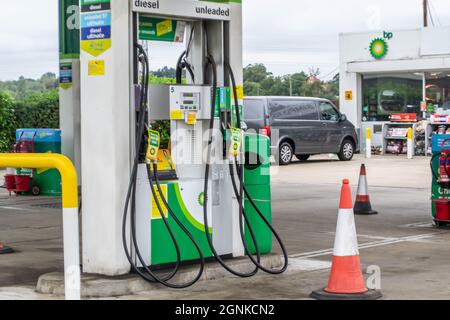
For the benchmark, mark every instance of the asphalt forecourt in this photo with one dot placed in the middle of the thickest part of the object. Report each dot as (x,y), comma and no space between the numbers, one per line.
(399,248)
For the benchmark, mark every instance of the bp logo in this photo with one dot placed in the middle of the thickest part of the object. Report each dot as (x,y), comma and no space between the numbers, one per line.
(379,46)
(201,199)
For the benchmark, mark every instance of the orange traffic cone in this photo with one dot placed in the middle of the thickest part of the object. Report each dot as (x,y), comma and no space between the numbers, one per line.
(346,280)
(4,249)
(362,204)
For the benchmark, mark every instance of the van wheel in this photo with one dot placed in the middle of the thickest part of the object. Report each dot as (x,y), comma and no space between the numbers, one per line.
(347,151)
(286,153)
(303,157)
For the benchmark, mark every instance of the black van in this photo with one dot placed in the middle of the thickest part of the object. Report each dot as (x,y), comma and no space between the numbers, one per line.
(301,127)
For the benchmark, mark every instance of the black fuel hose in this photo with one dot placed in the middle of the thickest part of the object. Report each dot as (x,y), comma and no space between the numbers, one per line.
(446,166)
(180,224)
(435,174)
(182,62)
(133,178)
(148,275)
(212,63)
(132,185)
(240,169)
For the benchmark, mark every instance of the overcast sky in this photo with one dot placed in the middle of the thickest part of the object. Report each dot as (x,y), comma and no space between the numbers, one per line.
(286,35)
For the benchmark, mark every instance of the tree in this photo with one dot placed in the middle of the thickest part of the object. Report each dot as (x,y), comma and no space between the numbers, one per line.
(258,81)
(29,103)
(165,72)
(22,87)
(256,73)
(7,122)
(49,81)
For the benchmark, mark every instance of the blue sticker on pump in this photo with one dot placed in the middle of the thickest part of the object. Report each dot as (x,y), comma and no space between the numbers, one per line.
(65,73)
(437,141)
(97,33)
(92,20)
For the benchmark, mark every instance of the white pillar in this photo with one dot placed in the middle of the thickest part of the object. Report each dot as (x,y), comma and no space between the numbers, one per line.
(70,114)
(106,141)
(69,89)
(72,281)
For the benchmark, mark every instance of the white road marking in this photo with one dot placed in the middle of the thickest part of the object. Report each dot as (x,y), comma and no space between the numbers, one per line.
(296,265)
(369,236)
(372,244)
(418,225)
(17,208)
(375,237)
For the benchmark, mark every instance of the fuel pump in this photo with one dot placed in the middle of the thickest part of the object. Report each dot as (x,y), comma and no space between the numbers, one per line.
(440,168)
(180,199)
(442,176)
(115,171)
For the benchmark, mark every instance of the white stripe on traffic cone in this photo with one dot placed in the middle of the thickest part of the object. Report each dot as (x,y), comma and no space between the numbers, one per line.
(362,204)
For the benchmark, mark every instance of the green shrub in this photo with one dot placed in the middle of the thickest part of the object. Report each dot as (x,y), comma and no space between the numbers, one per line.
(38,110)
(7,122)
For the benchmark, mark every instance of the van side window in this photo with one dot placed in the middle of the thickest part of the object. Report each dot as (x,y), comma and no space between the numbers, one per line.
(328,112)
(254,109)
(294,110)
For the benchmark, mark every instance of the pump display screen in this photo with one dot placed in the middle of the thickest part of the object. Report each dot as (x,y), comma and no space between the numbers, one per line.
(190,101)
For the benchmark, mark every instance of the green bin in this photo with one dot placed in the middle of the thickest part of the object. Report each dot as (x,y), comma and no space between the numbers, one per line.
(257,159)
(45,141)
(257,182)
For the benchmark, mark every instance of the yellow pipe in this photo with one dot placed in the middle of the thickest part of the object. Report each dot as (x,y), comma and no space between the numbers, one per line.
(48,161)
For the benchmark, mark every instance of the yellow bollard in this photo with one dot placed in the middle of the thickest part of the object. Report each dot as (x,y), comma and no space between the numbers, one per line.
(410,144)
(368,143)
(68,173)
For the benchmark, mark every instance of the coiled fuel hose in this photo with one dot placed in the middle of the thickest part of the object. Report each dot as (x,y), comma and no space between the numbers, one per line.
(211,62)
(182,63)
(148,274)
(240,170)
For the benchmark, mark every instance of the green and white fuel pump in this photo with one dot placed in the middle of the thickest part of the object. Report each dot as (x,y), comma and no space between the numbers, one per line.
(187,203)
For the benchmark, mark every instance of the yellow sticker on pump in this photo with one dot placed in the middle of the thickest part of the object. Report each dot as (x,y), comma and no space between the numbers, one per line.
(236,141)
(156,214)
(191,118)
(176,115)
(164,27)
(153,145)
(96,68)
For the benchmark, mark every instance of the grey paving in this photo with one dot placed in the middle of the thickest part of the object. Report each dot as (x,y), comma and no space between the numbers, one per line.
(411,253)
